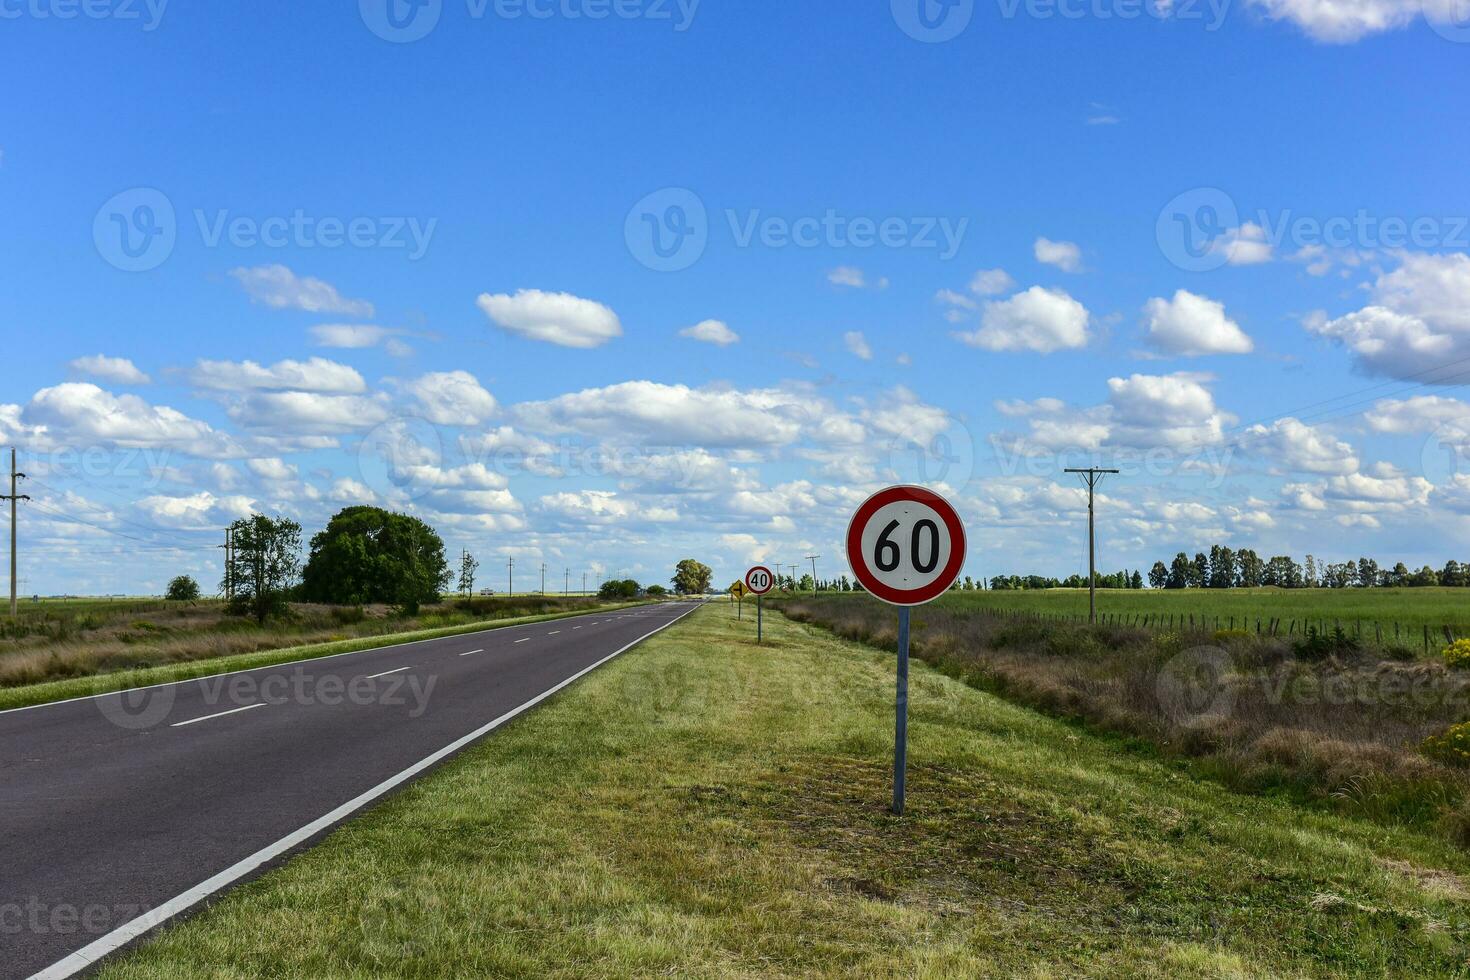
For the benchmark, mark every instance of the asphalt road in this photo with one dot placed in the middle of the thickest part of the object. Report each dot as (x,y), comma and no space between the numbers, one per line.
(120,811)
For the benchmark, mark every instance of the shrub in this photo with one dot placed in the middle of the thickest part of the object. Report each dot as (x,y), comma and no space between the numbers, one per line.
(1451,746)
(183,589)
(347,615)
(1225,636)
(1318,645)
(1457,655)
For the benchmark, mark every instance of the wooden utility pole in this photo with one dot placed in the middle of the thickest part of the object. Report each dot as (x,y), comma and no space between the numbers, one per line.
(543,578)
(510,576)
(1092,476)
(14,496)
(813,560)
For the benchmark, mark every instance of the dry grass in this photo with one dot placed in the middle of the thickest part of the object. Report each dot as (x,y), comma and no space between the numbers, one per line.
(1343,730)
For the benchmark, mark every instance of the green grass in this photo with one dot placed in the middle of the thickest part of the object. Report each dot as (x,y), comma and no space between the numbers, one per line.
(1412,608)
(28,695)
(706,807)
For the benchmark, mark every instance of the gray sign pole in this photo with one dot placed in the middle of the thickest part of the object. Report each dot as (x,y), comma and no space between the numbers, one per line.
(758,619)
(901,712)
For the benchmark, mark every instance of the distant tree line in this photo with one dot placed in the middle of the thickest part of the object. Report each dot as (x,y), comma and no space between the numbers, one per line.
(1117,580)
(1224,568)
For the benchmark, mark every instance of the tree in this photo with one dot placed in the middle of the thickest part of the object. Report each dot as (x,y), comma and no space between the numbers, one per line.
(616,589)
(1453,574)
(1199,571)
(182,588)
(806,584)
(691,577)
(657,591)
(1368,573)
(1179,572)
(266,558)
(1158,576)
(1136,580)
(366,554)
(467,566)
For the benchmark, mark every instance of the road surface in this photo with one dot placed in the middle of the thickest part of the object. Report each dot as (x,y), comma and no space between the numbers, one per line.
(120,811)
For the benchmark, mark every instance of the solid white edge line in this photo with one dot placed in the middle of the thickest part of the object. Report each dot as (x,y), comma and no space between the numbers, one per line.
(124,934)
(395,670)
(284,663)
(220,714)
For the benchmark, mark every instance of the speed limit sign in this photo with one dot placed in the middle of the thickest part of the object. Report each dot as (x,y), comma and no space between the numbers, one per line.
(906,545)
(759,580)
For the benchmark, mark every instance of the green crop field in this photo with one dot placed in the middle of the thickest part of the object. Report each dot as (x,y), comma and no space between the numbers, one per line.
(1411,609)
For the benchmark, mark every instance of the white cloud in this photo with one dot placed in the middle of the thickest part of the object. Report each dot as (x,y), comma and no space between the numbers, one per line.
(1064,255)
(1422,413)
(349,491)
(117,369)
(281,289)
(854,278)
(604,507)
(711,332)
(272,468)
(80,410)
(307,412)
(452,398)
(1190,325)
(556,318)
(663,414)
(316,374)
(1041,320)
(1174,410)
(1345,21)
(1246,245)
(359,336)
(992,282)
(196,511)
(857,345)
(1302,448)
(1419,319)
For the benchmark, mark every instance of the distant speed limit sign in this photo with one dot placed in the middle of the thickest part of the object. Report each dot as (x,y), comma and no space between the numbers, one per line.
(906,545)
(759,580)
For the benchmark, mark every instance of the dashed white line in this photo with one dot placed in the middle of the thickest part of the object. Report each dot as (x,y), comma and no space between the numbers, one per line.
(553,632)
(220,714)
(396,670)
(526,640)
(468,653)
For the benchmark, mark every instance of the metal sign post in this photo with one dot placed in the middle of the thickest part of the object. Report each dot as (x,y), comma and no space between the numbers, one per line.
(906,545)
(759,581)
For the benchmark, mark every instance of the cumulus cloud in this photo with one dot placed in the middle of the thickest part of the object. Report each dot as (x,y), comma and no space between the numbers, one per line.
(992,282)
(452,398)
(359,336)
(1040,320)
(1173,410)
(1064,255)
(80,411)
(271,468)
(197,511)
(1246,245)
(281,289)
(604,507)
(1345,21)
(1190,325)
(308,412)
(715,332)
(854,278)
(1418,320)
(1302,448)
(116,369)
(556,318)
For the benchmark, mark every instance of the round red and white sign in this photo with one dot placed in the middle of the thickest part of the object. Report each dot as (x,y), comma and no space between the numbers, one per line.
(906,545)
(759,580)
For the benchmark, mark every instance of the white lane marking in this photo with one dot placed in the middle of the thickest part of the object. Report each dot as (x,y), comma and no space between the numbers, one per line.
(396,670)
(526,640)
(160,914)
(576,627)
(469,653)
(221,714)
(553,632)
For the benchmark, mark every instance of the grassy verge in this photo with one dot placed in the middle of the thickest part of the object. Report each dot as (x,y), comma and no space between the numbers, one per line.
(705,807)
(28,695)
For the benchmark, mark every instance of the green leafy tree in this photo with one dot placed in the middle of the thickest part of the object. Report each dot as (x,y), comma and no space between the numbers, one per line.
(615,589)
(182,588)
(691,577)
(367,554)
(467,565)
(265,562)
(657,591)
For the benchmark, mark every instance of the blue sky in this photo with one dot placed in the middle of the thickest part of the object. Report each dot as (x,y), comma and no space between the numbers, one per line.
(1284,378)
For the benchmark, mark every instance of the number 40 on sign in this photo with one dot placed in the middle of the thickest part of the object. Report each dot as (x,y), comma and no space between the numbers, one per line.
(906,546)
